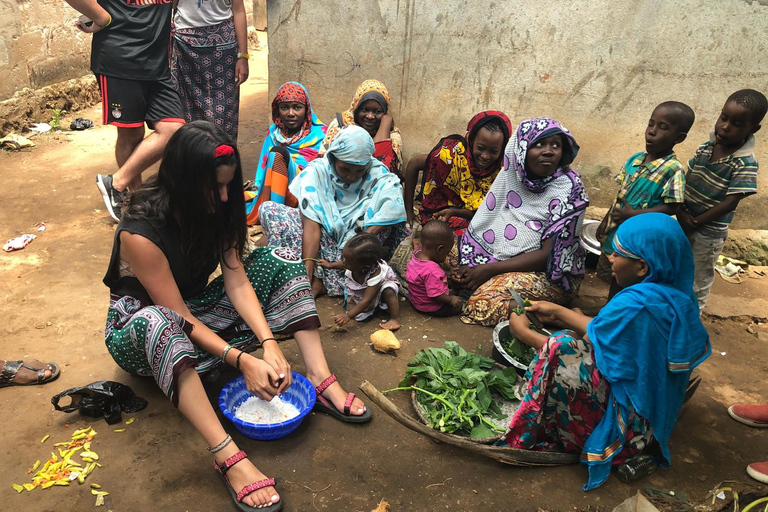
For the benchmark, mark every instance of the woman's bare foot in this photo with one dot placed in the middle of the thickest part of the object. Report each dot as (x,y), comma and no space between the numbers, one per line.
(244,473)
(318,288)
(392,324)
(337,396)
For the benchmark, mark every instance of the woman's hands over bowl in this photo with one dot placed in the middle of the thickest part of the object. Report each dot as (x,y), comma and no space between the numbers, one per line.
(259,377)
(274,357)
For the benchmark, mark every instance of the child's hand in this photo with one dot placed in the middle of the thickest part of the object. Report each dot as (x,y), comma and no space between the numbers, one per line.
(341,319)
(687,222)
(455,302)
(444,215)
(622,212)
(601,228)
(326,264)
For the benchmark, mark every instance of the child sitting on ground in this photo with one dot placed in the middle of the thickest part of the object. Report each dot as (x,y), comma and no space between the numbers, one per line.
(427,282)
(722,172)
(651,181)
(370,282)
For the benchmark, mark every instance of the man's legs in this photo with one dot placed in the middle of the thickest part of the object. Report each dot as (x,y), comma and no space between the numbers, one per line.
(144,153)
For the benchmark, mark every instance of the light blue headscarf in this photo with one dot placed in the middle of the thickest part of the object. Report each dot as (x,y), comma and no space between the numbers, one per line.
(342,208)
(647,339)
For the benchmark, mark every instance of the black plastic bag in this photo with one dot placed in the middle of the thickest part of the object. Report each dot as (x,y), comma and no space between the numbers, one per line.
(103,398)
(79,123)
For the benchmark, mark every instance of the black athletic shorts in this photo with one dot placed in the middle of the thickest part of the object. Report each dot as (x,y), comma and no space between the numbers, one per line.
(130,103)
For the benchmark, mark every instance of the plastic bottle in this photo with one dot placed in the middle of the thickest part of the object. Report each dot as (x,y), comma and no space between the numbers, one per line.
(636,468)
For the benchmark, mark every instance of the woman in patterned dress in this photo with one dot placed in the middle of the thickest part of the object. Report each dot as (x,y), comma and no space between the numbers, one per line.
(607,386)
(292,141)
(164,320)
(209,60)
(525,234)
(341,194)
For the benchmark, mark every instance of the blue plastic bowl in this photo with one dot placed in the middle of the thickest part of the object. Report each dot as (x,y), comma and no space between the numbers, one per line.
(301,394)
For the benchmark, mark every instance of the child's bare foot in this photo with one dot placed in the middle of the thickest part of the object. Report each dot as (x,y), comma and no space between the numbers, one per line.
(391,325)
(244,473)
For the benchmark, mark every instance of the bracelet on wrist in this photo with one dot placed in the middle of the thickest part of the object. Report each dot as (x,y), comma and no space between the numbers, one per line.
(225,352)
(237,361)
(268,339)
(241,55)
(104,26)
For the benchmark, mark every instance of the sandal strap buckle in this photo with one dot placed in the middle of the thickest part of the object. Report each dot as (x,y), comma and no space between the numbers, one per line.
(324,385)
(227,464)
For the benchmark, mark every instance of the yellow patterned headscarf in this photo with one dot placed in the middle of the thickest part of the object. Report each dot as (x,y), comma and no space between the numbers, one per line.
(348,117)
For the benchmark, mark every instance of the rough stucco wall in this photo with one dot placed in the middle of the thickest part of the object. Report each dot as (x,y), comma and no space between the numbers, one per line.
(598,66)
(39,45)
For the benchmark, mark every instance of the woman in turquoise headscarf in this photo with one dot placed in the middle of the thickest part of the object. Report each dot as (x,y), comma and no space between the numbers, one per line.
(612,384)
(293,140)
(339,195)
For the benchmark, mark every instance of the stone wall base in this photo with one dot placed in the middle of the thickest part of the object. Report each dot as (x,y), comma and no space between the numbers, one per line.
(30,106)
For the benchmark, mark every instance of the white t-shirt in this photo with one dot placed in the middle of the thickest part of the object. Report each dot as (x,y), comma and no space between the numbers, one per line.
(202,13)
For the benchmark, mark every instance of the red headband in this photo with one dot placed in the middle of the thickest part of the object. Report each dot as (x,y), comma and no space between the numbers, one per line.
(223,150)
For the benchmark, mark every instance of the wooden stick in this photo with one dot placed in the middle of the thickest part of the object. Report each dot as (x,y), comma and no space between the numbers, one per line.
(511,456)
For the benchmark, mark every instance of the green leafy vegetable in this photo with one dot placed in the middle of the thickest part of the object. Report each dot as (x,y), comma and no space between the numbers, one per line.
(455,389)
(514,347)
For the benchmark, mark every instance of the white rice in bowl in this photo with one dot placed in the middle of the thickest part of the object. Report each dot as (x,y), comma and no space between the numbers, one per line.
(256,410)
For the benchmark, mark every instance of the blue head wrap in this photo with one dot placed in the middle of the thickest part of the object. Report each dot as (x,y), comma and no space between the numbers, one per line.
(342,208)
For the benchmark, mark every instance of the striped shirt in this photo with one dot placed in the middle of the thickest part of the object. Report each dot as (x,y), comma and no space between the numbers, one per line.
(710,182)
(647,185)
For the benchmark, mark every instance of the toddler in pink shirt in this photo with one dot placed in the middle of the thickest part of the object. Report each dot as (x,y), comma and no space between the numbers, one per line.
(427,283)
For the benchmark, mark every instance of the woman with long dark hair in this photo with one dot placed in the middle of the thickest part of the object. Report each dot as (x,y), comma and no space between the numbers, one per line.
(164,319)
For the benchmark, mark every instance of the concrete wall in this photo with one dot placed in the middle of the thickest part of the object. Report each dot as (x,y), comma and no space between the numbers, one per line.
(39,45)
(598,66)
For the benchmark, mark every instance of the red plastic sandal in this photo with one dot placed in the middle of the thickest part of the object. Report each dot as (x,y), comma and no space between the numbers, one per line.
(248,489)
(323,405)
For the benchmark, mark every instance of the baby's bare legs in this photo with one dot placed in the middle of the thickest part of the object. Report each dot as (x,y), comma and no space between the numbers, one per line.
(389,297)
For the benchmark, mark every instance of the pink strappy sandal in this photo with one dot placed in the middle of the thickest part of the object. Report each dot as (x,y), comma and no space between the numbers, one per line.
(248,489)
(323,405)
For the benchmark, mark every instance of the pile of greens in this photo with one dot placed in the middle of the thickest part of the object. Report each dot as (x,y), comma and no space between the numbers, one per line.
(454,388)
(518,350)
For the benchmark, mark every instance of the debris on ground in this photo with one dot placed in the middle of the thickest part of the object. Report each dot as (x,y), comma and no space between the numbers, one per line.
(731,268)
(18,243)
(383,506)
(79,124)
(40,127)
(61,469)
(14,142)
(384,340)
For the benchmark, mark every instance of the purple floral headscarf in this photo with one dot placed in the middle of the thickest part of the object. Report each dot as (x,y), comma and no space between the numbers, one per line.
(521,211)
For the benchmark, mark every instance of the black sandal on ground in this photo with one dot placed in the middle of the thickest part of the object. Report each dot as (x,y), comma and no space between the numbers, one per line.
(11,368)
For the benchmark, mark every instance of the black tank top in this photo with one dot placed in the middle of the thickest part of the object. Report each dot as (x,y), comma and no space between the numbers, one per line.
(167,236)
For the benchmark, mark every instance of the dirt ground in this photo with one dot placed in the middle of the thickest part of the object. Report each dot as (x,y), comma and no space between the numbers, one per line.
(53,307)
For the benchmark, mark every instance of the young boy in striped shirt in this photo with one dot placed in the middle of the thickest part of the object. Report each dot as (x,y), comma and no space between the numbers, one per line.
(722,172)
